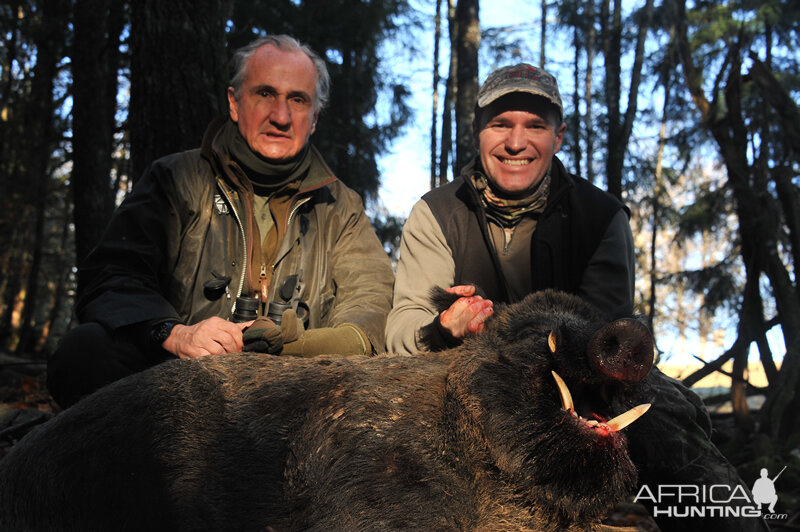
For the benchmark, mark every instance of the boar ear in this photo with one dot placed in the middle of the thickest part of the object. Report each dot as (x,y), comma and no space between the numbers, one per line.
(442,299)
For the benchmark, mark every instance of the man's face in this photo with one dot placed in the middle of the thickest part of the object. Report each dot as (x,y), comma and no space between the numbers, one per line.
(275,111)
(517,141)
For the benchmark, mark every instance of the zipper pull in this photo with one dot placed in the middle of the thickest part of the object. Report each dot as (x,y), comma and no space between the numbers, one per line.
(264,284)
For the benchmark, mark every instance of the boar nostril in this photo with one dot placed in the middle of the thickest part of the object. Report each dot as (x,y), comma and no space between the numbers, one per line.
(623,350)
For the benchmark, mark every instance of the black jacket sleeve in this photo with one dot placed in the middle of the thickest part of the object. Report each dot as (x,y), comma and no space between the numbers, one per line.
(121,278)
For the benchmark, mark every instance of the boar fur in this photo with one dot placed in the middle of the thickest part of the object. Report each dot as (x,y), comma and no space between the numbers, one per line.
(473,438)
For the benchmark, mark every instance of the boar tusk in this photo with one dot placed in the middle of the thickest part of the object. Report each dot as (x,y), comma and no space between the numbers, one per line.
(566,397)
(626,418)
(551,341)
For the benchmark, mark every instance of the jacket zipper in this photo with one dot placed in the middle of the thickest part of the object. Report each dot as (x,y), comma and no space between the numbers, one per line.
(244,242)
(264,266)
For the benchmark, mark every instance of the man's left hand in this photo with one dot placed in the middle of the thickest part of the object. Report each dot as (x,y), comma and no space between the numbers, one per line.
(468,314)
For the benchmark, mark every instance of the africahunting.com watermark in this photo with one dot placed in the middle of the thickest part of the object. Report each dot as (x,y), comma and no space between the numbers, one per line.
(716,500)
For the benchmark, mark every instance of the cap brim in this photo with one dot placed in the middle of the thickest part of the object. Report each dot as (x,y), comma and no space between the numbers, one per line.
(486,99)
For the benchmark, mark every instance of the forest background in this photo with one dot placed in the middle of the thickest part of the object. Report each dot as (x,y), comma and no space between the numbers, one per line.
(685,110)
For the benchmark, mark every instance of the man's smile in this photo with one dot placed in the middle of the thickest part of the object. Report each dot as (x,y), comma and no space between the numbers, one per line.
(515,162)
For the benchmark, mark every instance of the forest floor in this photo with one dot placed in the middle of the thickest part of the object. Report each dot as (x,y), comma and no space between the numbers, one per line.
(24,399)
(25,403)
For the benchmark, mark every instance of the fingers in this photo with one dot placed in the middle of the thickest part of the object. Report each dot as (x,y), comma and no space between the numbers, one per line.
(467,315)
(212,336)
(478,323)
(461,290)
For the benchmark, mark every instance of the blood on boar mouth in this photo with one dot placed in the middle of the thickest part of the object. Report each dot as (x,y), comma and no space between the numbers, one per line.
(640,356)
(614,425)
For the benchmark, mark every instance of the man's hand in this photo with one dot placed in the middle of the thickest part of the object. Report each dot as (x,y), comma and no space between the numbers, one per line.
(468,314)
(212,336)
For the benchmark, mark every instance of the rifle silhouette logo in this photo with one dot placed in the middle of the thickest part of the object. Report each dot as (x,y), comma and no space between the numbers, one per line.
(764,489)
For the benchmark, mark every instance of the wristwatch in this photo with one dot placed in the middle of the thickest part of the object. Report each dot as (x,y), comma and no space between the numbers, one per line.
(160,331)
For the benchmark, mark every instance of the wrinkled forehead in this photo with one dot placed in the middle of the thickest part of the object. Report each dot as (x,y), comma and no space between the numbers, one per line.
(291,70)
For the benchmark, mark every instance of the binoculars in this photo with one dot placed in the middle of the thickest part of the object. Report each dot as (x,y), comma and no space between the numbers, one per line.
(246,309)
(289,293)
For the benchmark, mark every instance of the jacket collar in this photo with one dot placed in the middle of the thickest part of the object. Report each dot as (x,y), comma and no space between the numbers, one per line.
(319,174)
(561,182)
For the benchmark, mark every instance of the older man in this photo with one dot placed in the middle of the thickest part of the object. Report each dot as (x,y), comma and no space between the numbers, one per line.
(254,212)
(513,222)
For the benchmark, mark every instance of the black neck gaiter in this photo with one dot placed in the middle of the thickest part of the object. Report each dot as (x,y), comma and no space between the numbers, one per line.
(266,176)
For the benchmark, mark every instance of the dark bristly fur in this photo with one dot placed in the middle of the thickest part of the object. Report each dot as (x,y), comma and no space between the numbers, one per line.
(469,439)
(442,299)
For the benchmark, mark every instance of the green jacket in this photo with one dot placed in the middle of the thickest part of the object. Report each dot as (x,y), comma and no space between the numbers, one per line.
(188,226)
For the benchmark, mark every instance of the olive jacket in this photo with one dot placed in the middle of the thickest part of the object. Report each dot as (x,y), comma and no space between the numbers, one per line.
(184,244)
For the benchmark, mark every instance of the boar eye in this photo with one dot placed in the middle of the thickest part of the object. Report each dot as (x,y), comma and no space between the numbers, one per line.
(551,342)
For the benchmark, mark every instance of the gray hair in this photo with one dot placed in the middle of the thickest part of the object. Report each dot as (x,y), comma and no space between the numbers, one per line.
(287,43)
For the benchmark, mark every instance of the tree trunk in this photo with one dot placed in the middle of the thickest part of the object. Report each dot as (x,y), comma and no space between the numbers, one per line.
(543,42)
(749,322)
(610,45)
(774,93)
(11,40)
(449,98)
(178,75)
(63,271)
(620,126)
(95,66)
(437,33)
(789,113)
(50,42)
(31,299)
(469,37)
(758,220)
(12,126)
(575,123)
(591,37)
(759,223)
(659,192)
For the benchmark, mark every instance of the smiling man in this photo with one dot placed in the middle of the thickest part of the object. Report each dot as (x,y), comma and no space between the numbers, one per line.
(515,221)
(254,212)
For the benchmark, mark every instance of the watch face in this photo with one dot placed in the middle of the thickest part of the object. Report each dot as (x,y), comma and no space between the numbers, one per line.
(161,332)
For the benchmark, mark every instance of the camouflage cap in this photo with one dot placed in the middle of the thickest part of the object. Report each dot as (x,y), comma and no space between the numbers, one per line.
(519,78)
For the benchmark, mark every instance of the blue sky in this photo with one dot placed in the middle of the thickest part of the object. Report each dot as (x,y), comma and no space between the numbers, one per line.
(406,168)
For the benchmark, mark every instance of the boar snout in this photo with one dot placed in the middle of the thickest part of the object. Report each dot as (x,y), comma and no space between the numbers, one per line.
(622,350)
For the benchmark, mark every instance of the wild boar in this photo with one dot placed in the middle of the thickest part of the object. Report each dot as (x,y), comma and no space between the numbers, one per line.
(485,436)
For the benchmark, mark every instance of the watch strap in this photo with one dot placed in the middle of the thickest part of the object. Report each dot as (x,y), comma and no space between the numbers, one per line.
(161,331)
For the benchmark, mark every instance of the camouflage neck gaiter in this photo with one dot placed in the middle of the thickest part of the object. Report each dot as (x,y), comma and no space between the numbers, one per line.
(507,212)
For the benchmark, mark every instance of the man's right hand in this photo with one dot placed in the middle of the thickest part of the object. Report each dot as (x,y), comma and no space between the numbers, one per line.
(212,336)
(468,314)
